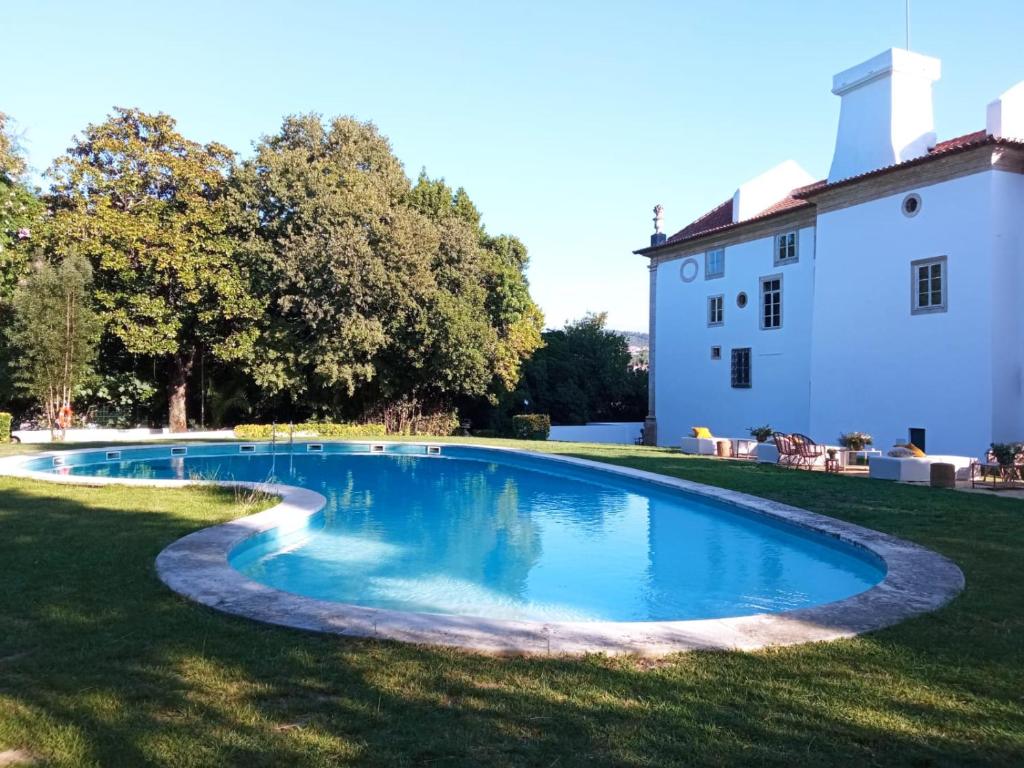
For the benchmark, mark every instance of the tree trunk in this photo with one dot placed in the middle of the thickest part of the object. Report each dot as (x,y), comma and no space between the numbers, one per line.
(178,390)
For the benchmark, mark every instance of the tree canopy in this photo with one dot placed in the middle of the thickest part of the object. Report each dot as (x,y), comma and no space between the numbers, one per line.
(54,333)
(314,279)
(149,208)
(583,374)
(20,216)
(378,291)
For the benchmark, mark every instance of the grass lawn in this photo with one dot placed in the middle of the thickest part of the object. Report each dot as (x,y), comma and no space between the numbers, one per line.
(101,665)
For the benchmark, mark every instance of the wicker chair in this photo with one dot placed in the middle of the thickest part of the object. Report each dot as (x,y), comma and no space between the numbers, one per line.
(810,452)
(789,453)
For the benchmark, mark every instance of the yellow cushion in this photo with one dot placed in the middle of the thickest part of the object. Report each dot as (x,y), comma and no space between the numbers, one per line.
(702,432)
(918,453)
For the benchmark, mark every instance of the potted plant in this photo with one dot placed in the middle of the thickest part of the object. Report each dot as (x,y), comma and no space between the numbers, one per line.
(761,434)
(855,441)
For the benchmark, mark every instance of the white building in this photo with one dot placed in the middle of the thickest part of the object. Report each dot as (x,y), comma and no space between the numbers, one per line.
(885,298)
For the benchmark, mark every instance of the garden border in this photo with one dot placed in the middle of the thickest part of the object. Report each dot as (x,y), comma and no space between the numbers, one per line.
(917,580)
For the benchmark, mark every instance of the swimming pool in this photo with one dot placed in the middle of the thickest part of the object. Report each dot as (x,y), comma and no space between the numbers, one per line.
(499,539)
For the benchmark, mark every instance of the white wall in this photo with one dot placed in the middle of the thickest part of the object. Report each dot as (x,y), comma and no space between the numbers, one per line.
(625,432)
(877,367)
(693,389)
(1007,329)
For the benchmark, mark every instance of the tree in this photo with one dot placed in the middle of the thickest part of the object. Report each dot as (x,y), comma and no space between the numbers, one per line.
(149,208)
(20,214)
(380,294)
(583,374)
(54,332)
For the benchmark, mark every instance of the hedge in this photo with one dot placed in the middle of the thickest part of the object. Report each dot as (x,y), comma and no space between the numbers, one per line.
(531,426)
(5,427)
(309,429)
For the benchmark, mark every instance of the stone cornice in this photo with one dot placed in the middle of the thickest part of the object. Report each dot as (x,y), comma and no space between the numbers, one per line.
(953,166)
(755,229)
(993,155)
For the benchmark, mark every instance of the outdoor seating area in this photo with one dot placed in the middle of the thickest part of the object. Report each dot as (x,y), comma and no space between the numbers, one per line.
(903,463)
(786,449)
(996,475)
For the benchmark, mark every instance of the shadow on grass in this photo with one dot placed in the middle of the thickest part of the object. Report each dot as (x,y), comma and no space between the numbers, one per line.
(100,664)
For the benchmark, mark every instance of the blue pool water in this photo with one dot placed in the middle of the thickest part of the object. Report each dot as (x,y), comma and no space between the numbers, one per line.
(480,533)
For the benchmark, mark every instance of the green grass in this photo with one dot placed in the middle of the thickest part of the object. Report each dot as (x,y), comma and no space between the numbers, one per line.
(101,665)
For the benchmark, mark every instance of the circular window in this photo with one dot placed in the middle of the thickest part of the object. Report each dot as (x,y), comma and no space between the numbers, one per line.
(911,204)
(688,270)
(741,299)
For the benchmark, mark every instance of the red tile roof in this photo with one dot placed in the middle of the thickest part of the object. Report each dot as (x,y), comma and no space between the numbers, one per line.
(959,144)
(719,218)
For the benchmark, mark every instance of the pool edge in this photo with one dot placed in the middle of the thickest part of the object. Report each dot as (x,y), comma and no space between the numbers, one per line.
(918,580)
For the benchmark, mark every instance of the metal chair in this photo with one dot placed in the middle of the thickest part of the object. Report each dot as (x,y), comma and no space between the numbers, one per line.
(810,452)
(789,454)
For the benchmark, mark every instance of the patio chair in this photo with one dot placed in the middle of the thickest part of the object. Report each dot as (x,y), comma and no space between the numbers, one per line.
(789,453)
(810,452)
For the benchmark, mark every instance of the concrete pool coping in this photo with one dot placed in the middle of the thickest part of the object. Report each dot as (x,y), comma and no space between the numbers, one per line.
(196,566)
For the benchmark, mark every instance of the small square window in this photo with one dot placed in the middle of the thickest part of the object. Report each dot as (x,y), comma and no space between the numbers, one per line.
(714,263)
(786,248)
(741,368)
(716,353)
(716,310)
(928,286)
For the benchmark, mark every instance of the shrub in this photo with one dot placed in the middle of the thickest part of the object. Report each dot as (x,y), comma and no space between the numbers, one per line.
(531,426)
(442,424)
(309,429)
(5,427)
(328,429)
(1006,453)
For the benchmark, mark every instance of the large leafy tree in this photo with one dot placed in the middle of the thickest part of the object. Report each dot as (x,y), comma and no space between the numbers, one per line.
(583,374)
(54,332)
(379,292)
(20,216)
(149,208)
(488,276)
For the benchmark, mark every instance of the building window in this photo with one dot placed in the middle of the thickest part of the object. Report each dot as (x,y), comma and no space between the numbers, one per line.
(716,353)
(741,299)
(714,264)
(741,368)
(786,248)
(911,204)
(716,310)
(771,302)
(688,270)
(928,286)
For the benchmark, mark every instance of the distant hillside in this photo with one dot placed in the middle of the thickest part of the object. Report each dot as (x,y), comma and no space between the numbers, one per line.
(635,338)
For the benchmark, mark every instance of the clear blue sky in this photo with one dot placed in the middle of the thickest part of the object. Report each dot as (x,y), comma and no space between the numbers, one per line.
(566,122)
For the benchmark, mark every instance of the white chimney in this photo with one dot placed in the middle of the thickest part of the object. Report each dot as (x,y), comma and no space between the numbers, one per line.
(886,114)
(1005,116)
